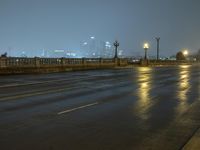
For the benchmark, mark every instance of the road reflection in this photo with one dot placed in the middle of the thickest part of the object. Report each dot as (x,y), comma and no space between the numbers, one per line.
(144,80)
(183,87)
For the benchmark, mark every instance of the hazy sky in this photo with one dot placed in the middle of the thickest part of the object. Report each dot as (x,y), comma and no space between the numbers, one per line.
(31,25)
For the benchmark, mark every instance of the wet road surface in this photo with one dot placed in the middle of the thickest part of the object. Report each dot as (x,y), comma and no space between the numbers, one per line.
(125,109)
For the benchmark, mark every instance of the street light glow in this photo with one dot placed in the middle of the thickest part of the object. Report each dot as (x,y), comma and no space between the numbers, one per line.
(185,52)
(146,45)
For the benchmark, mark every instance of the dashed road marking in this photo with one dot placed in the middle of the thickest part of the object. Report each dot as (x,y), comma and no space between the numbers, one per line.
(77,108)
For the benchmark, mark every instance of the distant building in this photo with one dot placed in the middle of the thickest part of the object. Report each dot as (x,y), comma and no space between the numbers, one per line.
(93,48)
(107,50)
(84,49)
(62,53)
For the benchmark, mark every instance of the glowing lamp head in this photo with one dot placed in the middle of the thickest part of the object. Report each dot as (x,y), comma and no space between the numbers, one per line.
(146,45)
(185,52)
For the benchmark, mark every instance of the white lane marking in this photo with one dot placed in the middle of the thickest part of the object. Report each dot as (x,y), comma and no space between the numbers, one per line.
(9,85)
(44,82)
(31,83)
(41,82)
(80,107)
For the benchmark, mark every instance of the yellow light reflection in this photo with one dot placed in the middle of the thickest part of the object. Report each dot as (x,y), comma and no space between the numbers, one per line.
(183,88)
(183,85)
(143,91)
(184,66)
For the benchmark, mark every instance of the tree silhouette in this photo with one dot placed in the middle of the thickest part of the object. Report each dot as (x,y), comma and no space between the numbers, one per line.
(4,55)
(180,56)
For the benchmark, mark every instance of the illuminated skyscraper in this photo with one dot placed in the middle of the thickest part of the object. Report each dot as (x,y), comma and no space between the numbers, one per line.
(93,48)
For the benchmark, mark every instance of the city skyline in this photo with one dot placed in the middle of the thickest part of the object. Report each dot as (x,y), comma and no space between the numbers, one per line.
(32,26)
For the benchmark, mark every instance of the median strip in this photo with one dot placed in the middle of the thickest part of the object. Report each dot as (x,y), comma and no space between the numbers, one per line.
(77,108)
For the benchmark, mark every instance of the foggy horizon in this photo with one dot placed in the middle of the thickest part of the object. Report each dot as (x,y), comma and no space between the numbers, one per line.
(32,26)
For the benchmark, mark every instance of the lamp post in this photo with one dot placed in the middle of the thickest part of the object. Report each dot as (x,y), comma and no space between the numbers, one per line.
(146,47)
(116,45)
(158,44)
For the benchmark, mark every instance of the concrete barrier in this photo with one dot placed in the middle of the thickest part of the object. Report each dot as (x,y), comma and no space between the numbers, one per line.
(9,65)
(14,65)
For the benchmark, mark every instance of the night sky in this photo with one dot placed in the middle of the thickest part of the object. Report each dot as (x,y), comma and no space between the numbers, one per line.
(32,25)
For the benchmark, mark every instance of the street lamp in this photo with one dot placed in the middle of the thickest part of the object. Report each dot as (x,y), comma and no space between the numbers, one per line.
(185,53)
(146,47)
(158,44)
(116,45)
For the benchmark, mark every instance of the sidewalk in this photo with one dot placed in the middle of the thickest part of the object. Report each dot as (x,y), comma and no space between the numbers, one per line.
(194,142)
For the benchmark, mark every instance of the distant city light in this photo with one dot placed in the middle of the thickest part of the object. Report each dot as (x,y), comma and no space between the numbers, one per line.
(92,37)
(85,43)
(120,52)
(59,51)
(108,45)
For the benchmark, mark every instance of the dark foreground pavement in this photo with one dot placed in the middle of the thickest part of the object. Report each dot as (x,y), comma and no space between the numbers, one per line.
(125,109)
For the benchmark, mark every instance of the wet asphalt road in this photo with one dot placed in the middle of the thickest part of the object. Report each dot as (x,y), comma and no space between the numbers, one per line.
(123,109)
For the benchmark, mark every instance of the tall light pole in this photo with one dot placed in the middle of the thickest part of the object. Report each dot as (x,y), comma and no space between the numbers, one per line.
(146,47)
(116,45)
(158,45)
